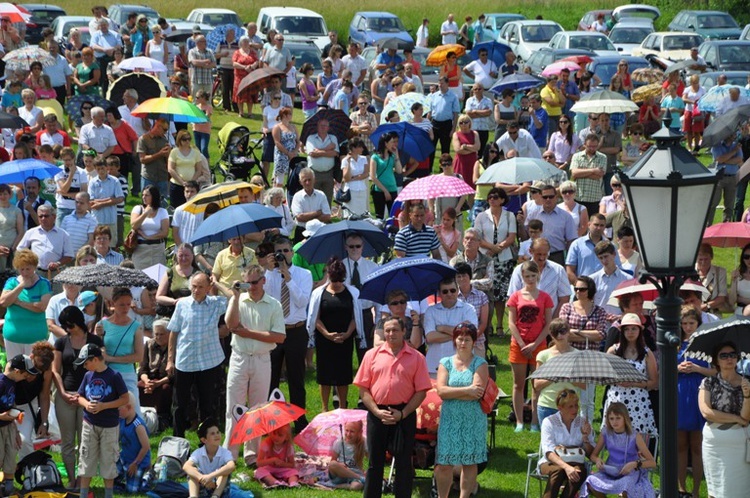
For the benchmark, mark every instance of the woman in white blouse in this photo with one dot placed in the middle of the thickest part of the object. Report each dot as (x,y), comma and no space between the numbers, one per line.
(275,201)
(151,224)
(356,173)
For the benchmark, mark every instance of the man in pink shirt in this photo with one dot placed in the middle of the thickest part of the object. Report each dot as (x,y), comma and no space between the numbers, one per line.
(393,381)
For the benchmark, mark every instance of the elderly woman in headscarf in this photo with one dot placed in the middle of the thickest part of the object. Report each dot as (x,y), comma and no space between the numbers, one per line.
(141,36)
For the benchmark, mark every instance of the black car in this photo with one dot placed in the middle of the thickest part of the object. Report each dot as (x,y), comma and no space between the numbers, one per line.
(605,66)
(42,16)
(546,56)
(726,55)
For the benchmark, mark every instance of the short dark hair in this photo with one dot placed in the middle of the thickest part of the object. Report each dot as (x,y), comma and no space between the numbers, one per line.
(205,426)
(604,247)
(536,224)
(463,269)
(590,285)
(625,232)
(447,281)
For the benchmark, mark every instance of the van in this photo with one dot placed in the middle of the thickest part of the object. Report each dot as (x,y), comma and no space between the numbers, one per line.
(296,24)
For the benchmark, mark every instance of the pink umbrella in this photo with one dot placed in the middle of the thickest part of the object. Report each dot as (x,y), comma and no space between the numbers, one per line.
(727,234)
(434,186)
(632,286)
(323,430)
(556,67)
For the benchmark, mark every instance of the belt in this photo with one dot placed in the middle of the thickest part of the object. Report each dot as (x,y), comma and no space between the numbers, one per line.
(39,268)
(151,242)
(294,325)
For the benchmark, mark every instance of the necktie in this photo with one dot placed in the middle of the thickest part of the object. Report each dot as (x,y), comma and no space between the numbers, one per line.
(285,298)
(355,276)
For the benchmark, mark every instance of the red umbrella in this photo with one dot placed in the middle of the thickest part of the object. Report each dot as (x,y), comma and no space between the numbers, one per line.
(263,420)
(727,234)
(258,79)
(579,59)
(428,413)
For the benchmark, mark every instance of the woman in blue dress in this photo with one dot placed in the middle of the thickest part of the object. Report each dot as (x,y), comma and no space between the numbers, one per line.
(462,434)
(690,374)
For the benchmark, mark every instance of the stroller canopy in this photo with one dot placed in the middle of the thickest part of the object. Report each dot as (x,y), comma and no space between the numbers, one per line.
(226,132)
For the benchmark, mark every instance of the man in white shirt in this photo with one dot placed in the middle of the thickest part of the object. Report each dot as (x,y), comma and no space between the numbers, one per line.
(98,136)
(357,269)
(519,140)
(322,149)
(411,77)
(483,70)
(449,31)
(423,34)
(185,224)
(309,203)
(355,63)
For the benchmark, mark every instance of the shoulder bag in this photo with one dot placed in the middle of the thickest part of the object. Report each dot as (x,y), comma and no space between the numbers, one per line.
(570,454)
(489,397)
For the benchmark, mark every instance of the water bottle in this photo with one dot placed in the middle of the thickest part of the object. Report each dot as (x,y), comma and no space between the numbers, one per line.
(163,472)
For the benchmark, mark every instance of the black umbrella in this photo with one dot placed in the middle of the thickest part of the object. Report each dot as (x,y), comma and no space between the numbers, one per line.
(337,119)
(393,43)
(103,275)
(725,125)
(708,336)
(679,66)
(147,86)
(11,121)
(179,36)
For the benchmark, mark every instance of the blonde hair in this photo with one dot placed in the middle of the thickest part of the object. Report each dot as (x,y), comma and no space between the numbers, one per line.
(622,410)
(359,443)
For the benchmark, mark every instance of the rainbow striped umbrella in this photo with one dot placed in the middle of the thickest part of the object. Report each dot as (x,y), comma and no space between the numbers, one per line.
(177,110)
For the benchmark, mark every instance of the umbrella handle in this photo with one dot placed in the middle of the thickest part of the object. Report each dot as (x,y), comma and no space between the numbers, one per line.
(343,446)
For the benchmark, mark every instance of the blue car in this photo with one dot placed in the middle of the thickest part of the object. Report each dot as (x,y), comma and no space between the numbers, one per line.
(367,28)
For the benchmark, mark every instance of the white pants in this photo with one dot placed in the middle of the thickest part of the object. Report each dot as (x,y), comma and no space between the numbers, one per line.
(248,383)
(13,349)
(359,204)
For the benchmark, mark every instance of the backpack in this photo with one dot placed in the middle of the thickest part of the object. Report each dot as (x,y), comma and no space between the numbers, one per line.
(173,452)
(293,184)
(37,471)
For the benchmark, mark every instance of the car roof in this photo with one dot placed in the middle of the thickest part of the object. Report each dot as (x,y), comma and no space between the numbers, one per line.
(744,43)
(293,11)
(598,11)
(125,6)
(606,59)
(582,33)
(534,22)
(73,18)
(213,11)
(41,6)
(569,51)
(703,12)
(675,33)
(374,13)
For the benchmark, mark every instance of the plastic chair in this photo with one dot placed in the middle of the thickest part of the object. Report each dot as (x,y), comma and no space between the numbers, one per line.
(532,471)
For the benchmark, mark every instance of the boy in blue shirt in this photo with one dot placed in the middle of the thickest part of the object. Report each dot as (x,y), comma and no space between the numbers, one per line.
(101,393)
(135,449)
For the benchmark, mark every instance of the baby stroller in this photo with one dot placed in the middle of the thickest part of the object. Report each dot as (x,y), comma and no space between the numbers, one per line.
(238,153)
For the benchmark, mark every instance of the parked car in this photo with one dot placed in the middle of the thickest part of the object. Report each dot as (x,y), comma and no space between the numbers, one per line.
(709,79)
(606,65)
(589,17)
(745,33)
(214,17)
(525,37)
(590,40)
(118,13)
(726,55)
(295,24)
(493,23)
(710,24)
(62,25)
(668,45)
(42,16)
(304,53)
(366,28)
(630,33)
(635,11)
(546,56)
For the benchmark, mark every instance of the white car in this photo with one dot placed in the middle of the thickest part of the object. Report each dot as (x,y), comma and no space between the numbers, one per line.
(671,45)
(526,37)
(214,17)
(296,24)
(590,40)
(630,33)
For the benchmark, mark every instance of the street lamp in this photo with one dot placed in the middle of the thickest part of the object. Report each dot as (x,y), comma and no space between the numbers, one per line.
(668,194)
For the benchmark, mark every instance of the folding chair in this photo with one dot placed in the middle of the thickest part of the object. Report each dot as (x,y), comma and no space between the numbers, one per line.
(532,471)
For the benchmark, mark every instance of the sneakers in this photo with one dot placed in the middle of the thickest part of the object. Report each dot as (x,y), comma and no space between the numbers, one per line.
(519,428)
(336,402)
(535,428)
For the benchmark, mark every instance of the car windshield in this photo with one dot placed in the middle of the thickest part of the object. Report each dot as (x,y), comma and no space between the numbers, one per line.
(716,21)
(303,55)
(734,54)
(591,42)
(221,19)
(540,33)
(385,24)
(629,35)
(300,25)
(606,70)
(74,24)
(681,42)
(45,16)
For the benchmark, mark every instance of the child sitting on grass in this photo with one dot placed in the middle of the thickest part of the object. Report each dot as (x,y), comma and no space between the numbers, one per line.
(135,449)
(276,459)
(209,467)
(347,456)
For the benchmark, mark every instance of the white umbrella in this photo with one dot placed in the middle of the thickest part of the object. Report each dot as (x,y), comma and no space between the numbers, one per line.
(518,170)
(143,64)
(155,271)
(605,101)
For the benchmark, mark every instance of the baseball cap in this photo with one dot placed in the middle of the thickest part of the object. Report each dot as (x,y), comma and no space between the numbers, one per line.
(196,29)
(87,352)
(25,363)
(86,298)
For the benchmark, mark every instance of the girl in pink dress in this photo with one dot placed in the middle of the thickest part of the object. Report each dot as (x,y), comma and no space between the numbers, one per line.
(466,144)
(448,235)
(276,459)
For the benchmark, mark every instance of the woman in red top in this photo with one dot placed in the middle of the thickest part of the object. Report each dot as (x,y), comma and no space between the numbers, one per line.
(466,144)
(529,314)
(649,115)
(452,70)
(244,60)
(622,72)
(673,77)
(127,140)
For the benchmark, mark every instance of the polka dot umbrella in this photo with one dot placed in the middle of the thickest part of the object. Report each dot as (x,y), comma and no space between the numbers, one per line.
(261,421)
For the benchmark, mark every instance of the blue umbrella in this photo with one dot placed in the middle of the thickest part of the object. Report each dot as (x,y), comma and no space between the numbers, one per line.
(219,35)
(18,171)
(711,101)
(495,51)
(516,81)
(236,221)
(411,140)
(330,240)
(418,276)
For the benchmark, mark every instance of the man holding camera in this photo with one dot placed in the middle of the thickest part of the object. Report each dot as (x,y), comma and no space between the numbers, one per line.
(292,287)
(231,261)
(256,321)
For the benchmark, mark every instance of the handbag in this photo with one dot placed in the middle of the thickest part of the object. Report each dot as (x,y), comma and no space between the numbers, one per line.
(570,454)
(490,395)
(131,242)
(343,194)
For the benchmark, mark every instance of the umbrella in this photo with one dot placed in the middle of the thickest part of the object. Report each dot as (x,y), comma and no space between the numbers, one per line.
(684,64)
(633,286)
(578,59)
(219,35)
(439,54)
(11,121)
(156,271)
(516,81)
(604,101)
(402,104)
(18,171)
(556,68)
(21,58)
(590,367)
(715,96)
(393,43)
(14,13)
(330,241)
(104,275)
(179,35)
(417,276)
(142,63)
(73,106)
(258,79)
(323,430)
(236,221)
(428,412)
(261,421)
(177,110)
(147,86)
(495,51)
(434,186)
(52,106)
(412,140)
(727,234)
(703,341)
(725,125)
(640,94)
(647,75)
(518,170)
(223,194)
(338,120)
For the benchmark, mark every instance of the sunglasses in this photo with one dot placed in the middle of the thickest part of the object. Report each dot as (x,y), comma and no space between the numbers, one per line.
(355,246)
(400,302)
(255,282)
(593,119)
(276,98)
(616,185)
(564,122)
(493,196)
(548,197)
(568,192)
(746,256)
(185,139)
(449,291)
(580,289)
(464,122)
(728,356)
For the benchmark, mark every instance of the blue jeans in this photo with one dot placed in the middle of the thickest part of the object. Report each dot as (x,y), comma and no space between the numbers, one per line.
(478,207)
(162,186)
(543,412)
(202,140)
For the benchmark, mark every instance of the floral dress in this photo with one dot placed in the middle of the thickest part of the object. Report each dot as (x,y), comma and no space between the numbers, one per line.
(636,400)
(281,161)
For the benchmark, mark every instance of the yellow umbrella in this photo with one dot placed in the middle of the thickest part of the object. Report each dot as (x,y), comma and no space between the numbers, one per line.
(223,194)
(51,106)
(640,94)
(439,54)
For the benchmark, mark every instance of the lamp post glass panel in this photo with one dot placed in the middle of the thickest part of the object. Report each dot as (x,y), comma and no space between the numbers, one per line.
(668,194)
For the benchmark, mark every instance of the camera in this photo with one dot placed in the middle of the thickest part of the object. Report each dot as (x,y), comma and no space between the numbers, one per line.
(279,257)
(242,286)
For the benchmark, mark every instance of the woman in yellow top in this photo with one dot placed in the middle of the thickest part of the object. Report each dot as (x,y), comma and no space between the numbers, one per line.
(552,101)
(184,164)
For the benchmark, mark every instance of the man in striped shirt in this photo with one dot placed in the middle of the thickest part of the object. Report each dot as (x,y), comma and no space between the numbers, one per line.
(80,224)
(416,238)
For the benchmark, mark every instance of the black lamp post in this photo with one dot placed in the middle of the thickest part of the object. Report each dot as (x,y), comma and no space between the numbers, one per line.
(668,194)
